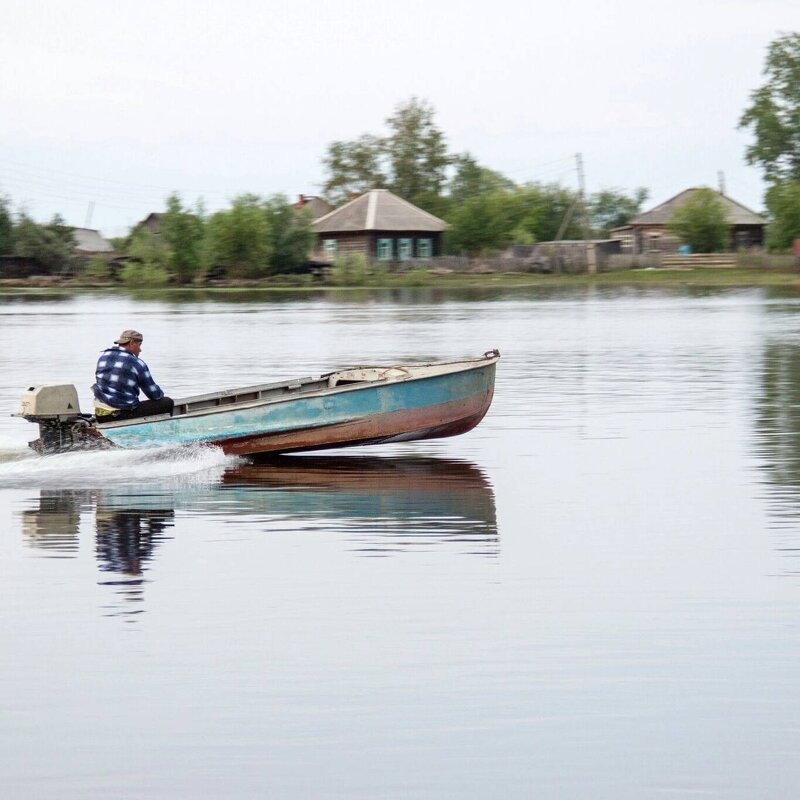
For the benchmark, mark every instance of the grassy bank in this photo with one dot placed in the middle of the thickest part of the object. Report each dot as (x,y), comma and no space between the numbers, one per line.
(510,280)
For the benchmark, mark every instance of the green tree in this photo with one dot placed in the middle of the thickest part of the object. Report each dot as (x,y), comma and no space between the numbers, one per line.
(702,222)
(182,231)
(353,168)
(149,260)
(471,179)
(540,209)
(491,221)
(416,151)
(783,203)
(6,226)
(50,245)
(291,234)
(612,208)
(412,160)
(481,223)
(774,112)
(240,239)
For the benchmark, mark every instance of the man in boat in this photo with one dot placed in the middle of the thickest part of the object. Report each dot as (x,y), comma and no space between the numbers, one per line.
(120,376)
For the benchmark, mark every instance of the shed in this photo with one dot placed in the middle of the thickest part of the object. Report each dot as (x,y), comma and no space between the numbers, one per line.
(89,242)
(381,226)
(152,223)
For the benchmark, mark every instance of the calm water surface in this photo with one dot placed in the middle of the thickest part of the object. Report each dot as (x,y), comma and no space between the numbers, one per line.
(596,593)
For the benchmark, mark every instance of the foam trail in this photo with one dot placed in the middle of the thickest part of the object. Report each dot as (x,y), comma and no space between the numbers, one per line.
(165,466)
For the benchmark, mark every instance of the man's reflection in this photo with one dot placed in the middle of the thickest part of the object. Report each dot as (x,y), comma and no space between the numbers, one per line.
(126,540)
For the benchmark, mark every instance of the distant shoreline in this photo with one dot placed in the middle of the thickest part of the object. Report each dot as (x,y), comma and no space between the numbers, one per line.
(636,277)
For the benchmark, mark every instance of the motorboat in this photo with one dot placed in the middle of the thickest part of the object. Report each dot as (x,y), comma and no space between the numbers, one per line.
(358,405)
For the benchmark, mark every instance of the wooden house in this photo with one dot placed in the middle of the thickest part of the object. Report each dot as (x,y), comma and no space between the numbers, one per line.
(649,232)
(152,223)
(381,226)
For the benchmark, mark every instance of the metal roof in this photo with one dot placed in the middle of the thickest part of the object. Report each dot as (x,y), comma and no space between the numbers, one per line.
(378,210)
(88,240)
(661,215)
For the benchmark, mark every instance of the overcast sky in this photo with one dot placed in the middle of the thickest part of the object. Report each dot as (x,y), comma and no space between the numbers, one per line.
(117,104)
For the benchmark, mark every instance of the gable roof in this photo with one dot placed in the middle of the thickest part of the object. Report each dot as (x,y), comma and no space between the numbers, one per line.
(378,210)
(88,240)
(661,215)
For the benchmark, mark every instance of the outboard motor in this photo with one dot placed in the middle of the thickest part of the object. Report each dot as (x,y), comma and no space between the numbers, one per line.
(62,427)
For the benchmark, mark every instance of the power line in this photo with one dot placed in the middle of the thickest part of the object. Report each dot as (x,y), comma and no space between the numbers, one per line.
(48,171)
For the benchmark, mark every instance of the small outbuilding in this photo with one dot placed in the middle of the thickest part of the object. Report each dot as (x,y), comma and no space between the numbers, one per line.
(89,242)
(152,223)
(381,226)
(649,232)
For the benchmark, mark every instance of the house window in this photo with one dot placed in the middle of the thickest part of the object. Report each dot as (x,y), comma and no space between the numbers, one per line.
(385,249)
(330,247)
(626,242)
(405,249)
(424,248)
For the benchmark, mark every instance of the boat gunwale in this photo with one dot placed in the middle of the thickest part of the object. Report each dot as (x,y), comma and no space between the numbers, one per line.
(490,358)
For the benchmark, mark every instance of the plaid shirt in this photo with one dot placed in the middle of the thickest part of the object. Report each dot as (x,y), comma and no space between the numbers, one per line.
(120,375)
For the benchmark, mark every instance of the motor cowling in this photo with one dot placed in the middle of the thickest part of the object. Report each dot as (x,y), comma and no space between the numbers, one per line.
(62,427)
(49,401)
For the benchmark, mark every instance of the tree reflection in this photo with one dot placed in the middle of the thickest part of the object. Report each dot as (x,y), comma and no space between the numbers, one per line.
(777,441)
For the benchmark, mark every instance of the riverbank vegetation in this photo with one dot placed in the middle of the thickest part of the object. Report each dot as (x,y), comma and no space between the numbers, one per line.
(773,117)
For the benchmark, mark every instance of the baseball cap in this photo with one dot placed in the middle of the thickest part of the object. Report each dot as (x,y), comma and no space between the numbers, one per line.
(129,336)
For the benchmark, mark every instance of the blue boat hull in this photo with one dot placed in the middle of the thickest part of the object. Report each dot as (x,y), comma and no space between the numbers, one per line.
(430,406)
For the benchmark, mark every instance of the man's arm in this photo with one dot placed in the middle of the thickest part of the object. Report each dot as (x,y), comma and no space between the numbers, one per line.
(147,384)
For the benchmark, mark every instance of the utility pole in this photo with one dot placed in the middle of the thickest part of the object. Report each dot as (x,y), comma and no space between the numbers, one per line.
(89,213)
(591,261)
(721,182)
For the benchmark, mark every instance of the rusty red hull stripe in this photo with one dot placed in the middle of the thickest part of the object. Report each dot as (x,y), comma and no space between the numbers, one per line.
(429,422)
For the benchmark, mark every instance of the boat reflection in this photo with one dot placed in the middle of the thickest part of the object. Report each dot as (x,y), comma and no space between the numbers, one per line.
(379,506)
(53,526)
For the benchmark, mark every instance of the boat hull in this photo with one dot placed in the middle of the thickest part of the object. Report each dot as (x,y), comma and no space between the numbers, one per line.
(426,407)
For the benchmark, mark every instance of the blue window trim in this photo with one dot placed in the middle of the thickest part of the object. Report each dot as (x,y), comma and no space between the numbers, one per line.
(405,249)
(425,248)
(385,249)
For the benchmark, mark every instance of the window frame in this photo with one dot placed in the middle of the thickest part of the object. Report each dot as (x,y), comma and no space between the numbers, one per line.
(384,249)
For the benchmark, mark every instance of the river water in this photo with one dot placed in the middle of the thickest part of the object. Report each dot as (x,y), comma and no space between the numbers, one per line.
(596,593)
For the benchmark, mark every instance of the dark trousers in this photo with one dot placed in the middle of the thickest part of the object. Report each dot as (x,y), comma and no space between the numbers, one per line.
(147,408)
